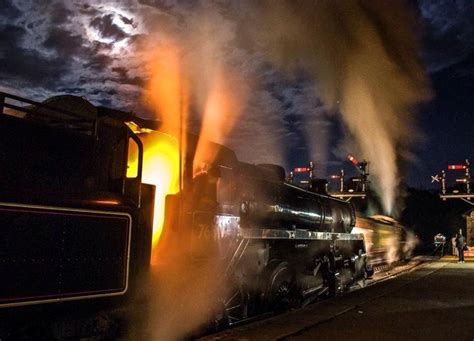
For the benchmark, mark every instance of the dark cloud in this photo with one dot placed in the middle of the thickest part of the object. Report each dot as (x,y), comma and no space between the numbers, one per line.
(71,90)
(88,10)
(64,42)
(9,10)
(125,20)
(98,47)
(11,36)
(448,34)
(59,14)
(24,65)
(123,77)
(99,62)
(104,24)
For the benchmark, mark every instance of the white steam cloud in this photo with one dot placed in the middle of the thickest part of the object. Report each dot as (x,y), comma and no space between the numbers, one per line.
(363,56)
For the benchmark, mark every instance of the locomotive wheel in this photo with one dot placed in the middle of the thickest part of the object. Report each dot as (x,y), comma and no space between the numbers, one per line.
(236,305)
(278,282)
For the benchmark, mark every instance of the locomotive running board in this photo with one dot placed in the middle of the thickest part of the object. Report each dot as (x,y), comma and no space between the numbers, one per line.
(255,233)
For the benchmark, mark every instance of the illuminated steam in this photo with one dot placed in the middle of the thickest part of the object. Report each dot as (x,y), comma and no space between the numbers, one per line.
(192,89)
(363,56)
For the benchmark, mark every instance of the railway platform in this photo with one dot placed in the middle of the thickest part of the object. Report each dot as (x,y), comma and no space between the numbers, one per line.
(432,301)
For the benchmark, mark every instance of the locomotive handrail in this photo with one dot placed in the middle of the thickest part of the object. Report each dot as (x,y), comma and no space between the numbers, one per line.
(139,143)
(262,233)
(73,119)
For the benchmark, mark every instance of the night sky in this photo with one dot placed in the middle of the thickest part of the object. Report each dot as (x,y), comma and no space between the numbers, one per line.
(92,49)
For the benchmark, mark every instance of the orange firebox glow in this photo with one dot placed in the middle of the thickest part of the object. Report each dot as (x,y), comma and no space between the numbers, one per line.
(166,94)
(160,168)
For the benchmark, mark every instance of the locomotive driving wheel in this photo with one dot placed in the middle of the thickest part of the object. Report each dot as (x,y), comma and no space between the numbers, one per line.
(279,282)
(236,305)
(230,309)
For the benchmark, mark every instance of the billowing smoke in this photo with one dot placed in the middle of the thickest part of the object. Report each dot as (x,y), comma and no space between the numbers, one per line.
(363,56)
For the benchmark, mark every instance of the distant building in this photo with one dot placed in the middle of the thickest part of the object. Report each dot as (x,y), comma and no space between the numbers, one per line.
(469,215)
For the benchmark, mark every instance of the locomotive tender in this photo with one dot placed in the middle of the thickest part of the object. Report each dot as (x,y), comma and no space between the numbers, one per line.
(75,226)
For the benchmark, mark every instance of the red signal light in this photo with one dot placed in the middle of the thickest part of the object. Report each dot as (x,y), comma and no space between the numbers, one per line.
(302,169)
(456,167)
(352,159)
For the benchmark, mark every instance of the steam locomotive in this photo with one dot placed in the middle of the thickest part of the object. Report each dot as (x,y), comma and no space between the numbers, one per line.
(281,245)
(75,225)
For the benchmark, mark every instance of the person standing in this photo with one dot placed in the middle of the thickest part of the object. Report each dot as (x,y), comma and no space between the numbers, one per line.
(460,246)
(454,246)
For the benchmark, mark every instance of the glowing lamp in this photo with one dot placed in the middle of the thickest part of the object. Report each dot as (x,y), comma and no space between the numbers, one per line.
(302,169)
(352,159)
(456,167)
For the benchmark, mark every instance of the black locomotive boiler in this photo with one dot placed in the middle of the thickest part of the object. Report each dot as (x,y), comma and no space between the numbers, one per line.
(279,245)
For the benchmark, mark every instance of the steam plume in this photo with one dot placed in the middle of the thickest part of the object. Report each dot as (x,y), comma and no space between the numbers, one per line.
(192,88)
(363,54)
